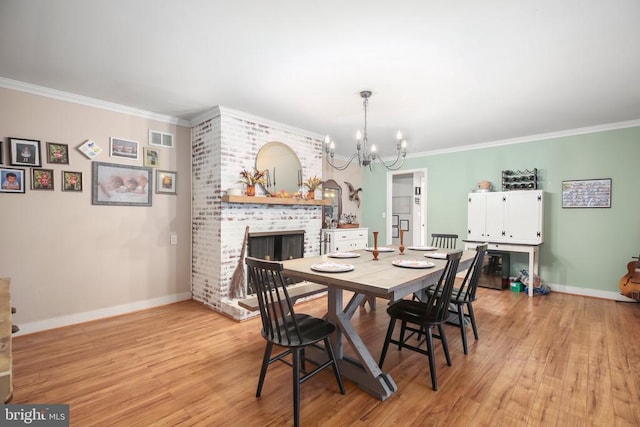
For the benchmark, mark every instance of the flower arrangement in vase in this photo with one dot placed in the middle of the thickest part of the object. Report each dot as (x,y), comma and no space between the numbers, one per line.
(312,184)
(251,179)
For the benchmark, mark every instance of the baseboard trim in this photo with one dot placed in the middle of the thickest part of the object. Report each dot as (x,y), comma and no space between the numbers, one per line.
(87,316)
(595,293)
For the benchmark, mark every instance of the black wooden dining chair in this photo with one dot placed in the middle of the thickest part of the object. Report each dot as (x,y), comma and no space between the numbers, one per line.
(444,241)
(464,296)
(420,317)
(283,327)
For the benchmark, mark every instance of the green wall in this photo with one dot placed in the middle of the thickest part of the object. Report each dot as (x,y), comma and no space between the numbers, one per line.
(586,248)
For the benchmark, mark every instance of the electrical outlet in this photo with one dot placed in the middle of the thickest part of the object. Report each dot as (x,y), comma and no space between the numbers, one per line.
(174,239)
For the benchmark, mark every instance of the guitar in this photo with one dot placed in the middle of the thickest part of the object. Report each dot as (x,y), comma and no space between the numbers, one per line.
(630,282)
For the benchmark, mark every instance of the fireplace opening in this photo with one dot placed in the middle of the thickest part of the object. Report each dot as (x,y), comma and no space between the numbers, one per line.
(276,246)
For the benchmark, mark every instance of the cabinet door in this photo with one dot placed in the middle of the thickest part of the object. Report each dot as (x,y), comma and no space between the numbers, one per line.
(523,216)
(494,229)
(476,216)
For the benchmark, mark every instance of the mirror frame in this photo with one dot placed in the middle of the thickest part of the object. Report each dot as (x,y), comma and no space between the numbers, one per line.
(331,184)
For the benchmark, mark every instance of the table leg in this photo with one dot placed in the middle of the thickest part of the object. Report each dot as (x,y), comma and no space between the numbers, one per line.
(365,371)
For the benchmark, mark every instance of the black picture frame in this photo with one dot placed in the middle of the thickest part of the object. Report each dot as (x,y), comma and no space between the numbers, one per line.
(24,152)
(42,179)
(57,153)
(121,185)
(7,184)
(71,181)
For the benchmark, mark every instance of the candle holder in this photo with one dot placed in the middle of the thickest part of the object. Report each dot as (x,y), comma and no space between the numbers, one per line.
(401,248)
(375,246)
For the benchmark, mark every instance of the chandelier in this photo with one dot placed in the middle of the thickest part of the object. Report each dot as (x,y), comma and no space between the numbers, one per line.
(367,155)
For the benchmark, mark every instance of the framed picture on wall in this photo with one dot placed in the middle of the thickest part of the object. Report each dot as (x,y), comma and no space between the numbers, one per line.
(0,152)
(57,153)
(151,157)
(71,181)
(41,179)
(11,180)
(395,233)
(166,182)
(24,152)
(404,224)
(120,185)
(124,148)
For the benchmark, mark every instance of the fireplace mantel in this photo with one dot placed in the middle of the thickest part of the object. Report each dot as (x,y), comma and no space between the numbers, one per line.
(273,200)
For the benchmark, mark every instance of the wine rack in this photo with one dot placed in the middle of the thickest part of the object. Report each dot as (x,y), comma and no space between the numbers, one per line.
(520,180)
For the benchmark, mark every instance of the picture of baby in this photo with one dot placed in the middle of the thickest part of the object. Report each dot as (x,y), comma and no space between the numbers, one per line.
(121,185)
(11,180)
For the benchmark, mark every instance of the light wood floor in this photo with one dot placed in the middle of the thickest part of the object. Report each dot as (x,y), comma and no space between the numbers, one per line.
(550,360)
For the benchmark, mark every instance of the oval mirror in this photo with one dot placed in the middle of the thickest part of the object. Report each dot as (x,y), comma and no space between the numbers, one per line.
(283,167)
(331,213)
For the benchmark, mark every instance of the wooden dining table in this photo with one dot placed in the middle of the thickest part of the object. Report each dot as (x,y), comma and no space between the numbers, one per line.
(369,278)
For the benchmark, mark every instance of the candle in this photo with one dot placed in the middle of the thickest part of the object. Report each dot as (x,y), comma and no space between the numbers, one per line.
(274,176)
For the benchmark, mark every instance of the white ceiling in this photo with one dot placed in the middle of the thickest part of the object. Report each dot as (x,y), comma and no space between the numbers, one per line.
(448,73)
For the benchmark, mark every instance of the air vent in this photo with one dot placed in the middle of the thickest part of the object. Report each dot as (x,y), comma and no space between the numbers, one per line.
(161,139)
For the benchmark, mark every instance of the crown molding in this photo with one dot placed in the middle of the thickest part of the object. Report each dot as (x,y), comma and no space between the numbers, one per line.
(90,102)
(533,138)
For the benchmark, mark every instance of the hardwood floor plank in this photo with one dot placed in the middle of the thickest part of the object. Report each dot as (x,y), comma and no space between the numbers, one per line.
(552,360)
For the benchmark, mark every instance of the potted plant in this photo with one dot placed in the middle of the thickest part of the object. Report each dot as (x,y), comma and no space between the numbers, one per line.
(251,179)
(312,185)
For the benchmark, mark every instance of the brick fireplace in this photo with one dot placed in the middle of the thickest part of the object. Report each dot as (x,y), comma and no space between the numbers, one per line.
(223,143)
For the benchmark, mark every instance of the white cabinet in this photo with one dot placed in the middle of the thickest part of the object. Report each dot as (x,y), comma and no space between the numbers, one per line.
(507,216)
(344,239)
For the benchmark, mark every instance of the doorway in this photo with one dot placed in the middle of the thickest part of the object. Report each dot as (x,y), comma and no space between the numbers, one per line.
(406,206)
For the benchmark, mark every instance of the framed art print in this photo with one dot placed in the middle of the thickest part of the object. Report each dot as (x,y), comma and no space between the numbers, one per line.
(90,149)
(124,148)
(404,224)
(57,153)
(586,193)
(71,181)
(11,180)
(151,157)
(24,152)
(113,184)
(166,182)
(41,179)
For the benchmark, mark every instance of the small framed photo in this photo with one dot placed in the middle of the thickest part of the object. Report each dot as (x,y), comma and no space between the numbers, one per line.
(57,153)
(11,180)
(151,157)
(90,149)
(41,179)
(24,152)
(71,181)
(395,219)
(120,185)
(0,152)
(395,233)
(404,224)
(124,148)
(166,182)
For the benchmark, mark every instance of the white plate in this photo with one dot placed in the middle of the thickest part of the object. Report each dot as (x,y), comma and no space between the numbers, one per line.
(436,255)
(381,249)
(343,255)
(413,263)
(422,248)
(332,267)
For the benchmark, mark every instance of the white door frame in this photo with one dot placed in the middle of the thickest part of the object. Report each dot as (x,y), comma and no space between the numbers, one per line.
(420,175)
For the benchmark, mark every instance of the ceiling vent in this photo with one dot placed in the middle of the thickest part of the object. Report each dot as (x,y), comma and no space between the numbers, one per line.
(161,139)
